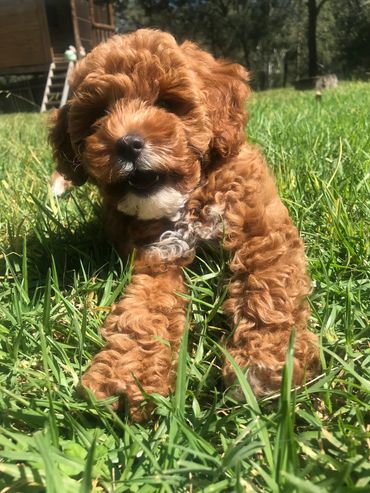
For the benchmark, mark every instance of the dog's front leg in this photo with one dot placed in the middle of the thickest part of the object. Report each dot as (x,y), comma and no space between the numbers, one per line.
(269,284)
(143,332)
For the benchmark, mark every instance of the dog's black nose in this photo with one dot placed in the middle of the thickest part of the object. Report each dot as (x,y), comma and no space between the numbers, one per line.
(130,147)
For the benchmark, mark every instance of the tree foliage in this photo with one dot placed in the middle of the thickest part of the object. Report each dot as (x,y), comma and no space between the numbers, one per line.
(278,40)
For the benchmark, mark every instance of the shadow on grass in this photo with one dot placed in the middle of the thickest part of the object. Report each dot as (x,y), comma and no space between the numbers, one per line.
(83,253)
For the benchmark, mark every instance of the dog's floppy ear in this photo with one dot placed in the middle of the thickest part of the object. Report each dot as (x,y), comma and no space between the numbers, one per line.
(68,163)
(225,89)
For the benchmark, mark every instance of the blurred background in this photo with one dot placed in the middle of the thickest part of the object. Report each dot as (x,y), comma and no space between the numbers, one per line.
(282,42)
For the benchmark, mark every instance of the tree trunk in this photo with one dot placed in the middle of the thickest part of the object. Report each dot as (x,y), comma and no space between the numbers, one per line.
(313,13)
(311,38)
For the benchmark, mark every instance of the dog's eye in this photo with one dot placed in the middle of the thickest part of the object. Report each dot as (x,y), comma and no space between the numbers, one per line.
(101,113)
(177,106)
(165,104)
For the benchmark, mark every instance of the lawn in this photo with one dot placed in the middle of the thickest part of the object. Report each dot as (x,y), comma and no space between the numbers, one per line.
(58,278)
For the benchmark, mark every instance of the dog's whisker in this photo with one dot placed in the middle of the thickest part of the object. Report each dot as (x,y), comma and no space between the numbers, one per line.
(197,151)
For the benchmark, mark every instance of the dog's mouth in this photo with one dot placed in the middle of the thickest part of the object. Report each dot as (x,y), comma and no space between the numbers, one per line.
(145,181)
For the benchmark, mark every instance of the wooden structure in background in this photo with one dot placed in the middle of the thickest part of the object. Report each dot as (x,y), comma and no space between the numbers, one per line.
(35,33)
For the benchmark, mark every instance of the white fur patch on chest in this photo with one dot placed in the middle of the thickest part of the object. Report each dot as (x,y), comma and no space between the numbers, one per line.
(166,202)
(181,242)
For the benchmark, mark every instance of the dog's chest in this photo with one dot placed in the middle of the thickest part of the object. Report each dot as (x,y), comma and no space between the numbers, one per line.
(190,230)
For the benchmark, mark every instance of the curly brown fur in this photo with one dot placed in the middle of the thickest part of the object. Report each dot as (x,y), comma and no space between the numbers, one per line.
(159,128)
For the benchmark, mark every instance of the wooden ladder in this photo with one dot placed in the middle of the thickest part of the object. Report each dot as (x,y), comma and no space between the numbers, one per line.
(57,87)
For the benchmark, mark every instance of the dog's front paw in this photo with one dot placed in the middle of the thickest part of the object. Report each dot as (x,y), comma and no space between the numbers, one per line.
(262,360)
(116,372)
(100,380)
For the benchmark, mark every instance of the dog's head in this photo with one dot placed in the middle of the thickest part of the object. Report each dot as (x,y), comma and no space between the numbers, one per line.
(145,120)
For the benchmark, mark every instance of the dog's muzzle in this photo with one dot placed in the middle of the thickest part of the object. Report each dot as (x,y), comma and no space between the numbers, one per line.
(139,178)
(144,180)
(130,147)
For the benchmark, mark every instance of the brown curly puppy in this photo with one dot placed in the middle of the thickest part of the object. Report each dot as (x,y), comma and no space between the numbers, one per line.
(159,128)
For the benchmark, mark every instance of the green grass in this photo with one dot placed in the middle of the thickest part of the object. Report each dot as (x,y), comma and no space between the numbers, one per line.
(58,277)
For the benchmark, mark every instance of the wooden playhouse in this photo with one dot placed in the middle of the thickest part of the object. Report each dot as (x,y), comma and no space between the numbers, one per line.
(34,34)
